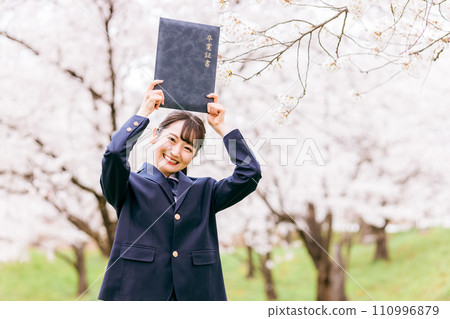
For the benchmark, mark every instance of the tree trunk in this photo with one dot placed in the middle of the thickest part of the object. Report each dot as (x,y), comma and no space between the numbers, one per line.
(251,265)
(331,280)
(373,234)
(330,275)
(316,237)
(323,279)
(269,286)
(381,251)
(80,266)
(338,267)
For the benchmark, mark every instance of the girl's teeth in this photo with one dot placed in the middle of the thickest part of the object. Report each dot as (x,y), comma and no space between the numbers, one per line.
(172,161)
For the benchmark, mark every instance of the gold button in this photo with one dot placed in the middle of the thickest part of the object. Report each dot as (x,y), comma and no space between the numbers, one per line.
(175,254)
(136,123)
(129,129)
(177,216)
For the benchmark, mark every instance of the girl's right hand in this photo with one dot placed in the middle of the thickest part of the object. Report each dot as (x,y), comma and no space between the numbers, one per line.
(152,100)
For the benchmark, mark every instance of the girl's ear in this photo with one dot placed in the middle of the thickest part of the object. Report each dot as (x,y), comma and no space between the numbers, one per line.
(154,137)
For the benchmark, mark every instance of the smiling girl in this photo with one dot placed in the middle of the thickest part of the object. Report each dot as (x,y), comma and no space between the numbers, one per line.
(166,245)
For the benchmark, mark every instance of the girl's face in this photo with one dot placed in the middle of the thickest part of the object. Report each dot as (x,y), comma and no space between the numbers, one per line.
(172,154)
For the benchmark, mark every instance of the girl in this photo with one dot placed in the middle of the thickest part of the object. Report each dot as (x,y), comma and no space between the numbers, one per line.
(166,245)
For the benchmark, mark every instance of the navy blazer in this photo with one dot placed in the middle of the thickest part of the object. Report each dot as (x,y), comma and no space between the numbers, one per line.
(161,244)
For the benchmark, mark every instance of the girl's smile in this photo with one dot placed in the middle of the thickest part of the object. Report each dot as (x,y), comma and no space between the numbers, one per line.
(172,154)
(170,160)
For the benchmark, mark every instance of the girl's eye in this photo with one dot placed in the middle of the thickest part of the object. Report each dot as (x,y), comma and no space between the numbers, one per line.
(188,149)
(171,139)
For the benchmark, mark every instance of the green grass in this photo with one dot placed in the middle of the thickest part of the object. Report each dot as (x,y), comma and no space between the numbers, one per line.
(419,269)
(40,279)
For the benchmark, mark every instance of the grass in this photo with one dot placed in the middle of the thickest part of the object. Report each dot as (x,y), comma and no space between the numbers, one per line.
(418,269)
(40,279)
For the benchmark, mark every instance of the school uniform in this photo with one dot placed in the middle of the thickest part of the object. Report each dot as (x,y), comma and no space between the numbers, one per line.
(166,249)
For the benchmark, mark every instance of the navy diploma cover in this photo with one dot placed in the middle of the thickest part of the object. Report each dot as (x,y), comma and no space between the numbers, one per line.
(186,59)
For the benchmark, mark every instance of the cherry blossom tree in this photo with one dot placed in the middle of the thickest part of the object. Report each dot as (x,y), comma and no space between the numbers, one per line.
(72,72)
(373,157)
(370,36)
(373,151)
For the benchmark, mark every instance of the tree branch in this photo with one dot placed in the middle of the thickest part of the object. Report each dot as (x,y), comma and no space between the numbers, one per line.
(72,73)
(112,72)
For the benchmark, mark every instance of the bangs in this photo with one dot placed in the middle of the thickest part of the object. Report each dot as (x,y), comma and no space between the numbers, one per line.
(192,133)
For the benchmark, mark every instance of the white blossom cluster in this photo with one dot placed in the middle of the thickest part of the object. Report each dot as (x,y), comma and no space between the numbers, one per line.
(286,3)
(221,5)
(356,95)
(412,63)
(330,65)
(223,73)
(288,101)
(358,7)
(235,29)
(333,65)
(407,27)
(280,115)
(277,64)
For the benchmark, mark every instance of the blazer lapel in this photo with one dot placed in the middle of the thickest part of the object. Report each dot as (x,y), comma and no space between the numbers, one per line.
(151,172)
(184,183)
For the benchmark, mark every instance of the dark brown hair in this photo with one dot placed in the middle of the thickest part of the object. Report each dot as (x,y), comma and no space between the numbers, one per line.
(192,132)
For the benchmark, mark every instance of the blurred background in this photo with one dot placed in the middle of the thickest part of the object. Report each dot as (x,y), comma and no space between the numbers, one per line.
(346,106)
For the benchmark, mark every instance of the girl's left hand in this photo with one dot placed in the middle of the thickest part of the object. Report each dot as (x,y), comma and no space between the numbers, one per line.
(216,115)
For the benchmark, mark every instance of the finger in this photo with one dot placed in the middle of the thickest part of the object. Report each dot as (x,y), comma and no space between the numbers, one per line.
(153,83)
(154,96)
(215,111)
(218,108)
(160,92)
(157,100)
(212,109)
(214,96)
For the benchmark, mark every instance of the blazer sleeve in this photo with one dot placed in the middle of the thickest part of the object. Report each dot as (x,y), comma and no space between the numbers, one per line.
(115,166)
(245,177)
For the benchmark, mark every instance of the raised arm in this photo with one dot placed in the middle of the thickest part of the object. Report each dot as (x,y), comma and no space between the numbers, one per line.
(245,177)
(115,166)
(247,172)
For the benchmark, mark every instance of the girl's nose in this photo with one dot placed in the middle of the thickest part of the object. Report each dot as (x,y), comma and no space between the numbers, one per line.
(176,150)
